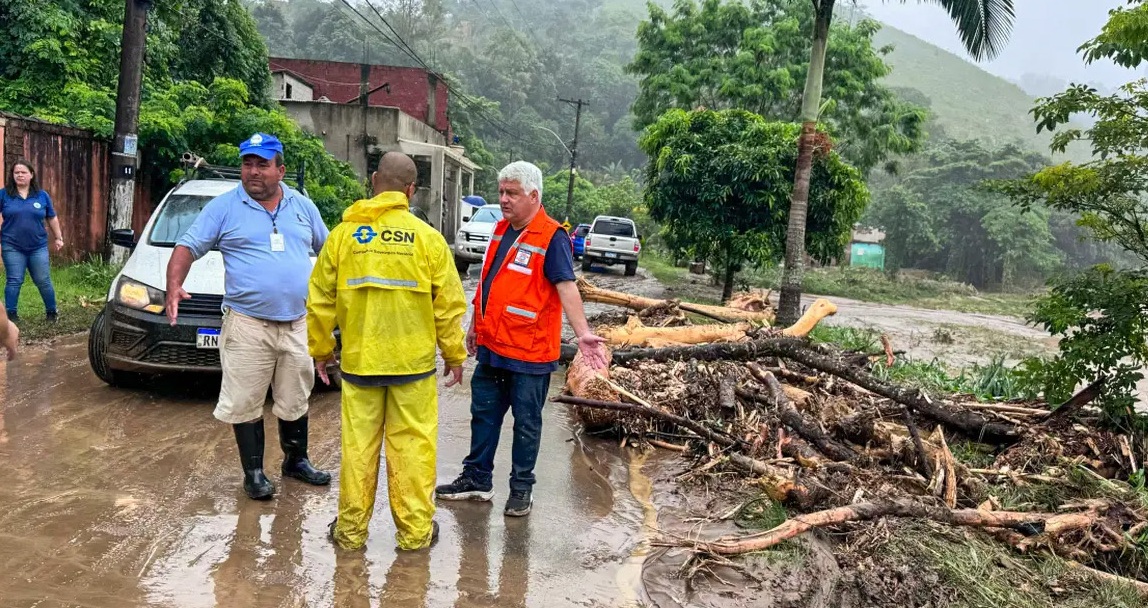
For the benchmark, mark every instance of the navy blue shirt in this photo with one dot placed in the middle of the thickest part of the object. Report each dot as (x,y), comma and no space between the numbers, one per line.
(23,228)
(558,267)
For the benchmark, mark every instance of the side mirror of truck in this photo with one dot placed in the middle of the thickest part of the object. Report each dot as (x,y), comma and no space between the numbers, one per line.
(124,237)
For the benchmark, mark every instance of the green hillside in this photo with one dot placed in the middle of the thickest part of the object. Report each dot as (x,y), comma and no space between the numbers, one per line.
(967,102)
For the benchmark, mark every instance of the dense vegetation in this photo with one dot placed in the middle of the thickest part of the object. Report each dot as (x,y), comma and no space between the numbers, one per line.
(205,83)
(1099,313)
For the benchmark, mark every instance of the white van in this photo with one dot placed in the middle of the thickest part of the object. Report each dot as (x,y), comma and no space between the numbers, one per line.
(131,338)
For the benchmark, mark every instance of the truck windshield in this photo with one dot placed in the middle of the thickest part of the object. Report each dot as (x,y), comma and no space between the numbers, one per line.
(177,215)
(487,216)
(612,228)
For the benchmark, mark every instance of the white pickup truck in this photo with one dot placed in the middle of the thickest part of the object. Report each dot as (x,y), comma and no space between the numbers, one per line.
(612,240)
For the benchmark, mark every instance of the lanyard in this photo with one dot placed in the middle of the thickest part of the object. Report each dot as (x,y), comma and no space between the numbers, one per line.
(273,216)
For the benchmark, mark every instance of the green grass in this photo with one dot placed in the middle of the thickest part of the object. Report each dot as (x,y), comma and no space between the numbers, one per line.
(80,293)
(864,284)
(985,574)
(870,285)
(992,380)
(662,268)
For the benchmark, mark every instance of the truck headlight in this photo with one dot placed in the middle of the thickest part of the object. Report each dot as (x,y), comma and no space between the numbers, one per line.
(136,295)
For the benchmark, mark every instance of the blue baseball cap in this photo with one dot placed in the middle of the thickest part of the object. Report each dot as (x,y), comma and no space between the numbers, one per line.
(261,145)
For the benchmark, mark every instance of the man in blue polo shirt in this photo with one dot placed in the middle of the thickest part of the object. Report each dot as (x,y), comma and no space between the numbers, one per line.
(267,233)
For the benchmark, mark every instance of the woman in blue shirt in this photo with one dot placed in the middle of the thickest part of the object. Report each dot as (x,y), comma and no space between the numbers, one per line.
(25,211)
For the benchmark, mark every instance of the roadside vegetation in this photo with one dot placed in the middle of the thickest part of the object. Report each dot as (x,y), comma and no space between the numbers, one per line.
(80,293)
(864,284)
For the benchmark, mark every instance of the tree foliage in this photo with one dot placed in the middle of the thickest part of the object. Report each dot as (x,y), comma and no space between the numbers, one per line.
(937,216)
(755,56)
(718,181)
(507,63)
(204,90)
(1099,315)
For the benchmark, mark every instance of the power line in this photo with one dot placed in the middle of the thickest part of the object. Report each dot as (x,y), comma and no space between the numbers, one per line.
(466,100)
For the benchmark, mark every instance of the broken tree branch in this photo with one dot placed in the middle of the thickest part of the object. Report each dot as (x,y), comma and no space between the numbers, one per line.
(867,511)
(702,431)
(805,426)
(970,423)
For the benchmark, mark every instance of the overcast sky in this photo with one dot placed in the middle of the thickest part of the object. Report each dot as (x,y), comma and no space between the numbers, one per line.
(1044,39)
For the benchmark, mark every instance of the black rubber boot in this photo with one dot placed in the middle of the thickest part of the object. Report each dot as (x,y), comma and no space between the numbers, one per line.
(250,438)
(293,440)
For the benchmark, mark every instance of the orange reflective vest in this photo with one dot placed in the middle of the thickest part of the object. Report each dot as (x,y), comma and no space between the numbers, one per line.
(523,317)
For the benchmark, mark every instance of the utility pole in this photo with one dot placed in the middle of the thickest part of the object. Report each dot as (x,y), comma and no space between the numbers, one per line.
(127,120)
(578,103)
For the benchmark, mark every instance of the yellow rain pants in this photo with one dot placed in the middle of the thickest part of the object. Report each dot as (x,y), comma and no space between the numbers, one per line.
(406,418)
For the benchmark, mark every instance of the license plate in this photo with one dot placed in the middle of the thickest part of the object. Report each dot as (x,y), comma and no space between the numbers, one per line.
(611,255)
(207,338)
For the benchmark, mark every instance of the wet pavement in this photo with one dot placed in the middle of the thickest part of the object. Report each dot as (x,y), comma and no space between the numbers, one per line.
(119,498)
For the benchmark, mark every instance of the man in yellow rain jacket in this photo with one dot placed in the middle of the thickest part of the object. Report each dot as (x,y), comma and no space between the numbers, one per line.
(388,280)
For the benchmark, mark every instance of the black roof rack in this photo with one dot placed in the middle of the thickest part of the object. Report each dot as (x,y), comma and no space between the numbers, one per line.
(197,168)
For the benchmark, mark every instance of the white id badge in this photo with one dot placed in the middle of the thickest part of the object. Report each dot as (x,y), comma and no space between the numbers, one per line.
(277,242)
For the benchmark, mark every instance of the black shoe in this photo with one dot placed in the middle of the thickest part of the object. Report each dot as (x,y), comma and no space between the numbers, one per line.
(293,440)
(13,317)
(249,436)
(53,317)
(519,503)
(465,488)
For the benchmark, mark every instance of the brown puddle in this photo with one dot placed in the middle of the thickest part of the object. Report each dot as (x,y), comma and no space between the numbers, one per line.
(117,498)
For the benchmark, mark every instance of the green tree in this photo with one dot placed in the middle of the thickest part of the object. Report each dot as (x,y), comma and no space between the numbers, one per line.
(983,26)
(1099,315)
(717,182)
(938,216)
(753,55)
(204,90)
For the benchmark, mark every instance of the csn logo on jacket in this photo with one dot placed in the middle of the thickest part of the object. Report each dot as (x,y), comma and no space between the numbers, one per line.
(366,234)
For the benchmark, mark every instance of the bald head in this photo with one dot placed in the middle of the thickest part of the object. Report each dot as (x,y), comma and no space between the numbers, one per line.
(396,173)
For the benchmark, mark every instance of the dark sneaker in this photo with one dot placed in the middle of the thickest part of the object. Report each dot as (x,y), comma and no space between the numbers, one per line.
(53,317)
(465,488)
(519,503)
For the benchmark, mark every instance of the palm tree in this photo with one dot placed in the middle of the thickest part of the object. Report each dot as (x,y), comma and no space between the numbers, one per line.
(984,27)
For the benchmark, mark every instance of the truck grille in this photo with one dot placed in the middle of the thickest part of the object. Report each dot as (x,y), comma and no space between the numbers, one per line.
(124,339)
(477,238)
(201,304)
(178,354)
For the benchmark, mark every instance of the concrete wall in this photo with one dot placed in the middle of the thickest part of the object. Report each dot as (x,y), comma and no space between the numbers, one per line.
(342,127)
(300,91)
(413,90)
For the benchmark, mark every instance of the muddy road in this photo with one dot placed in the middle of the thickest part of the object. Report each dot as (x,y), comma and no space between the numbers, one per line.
(116,498)
(122,498)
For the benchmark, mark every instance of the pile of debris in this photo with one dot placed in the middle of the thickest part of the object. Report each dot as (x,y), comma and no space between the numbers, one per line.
(818,431)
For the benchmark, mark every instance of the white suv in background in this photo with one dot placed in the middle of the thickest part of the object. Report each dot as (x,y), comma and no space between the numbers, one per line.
(471,240)
(612,240)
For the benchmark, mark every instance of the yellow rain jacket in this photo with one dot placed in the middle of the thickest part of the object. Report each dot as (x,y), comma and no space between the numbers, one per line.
(389,281)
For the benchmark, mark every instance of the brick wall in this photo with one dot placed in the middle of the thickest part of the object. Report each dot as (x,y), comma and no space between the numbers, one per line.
(409,87)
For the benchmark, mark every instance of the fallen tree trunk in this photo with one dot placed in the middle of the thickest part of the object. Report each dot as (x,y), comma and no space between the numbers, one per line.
(588,383)
(970,423)
(872,510)
(634,333)
(592,293)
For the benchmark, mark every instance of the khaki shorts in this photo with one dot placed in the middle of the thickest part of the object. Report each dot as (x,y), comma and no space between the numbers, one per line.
(257,354)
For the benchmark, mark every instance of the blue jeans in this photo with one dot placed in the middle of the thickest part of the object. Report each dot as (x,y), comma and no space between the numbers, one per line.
(494,391)
(16,263)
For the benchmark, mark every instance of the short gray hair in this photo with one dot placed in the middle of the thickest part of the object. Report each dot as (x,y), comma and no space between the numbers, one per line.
(528,175)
